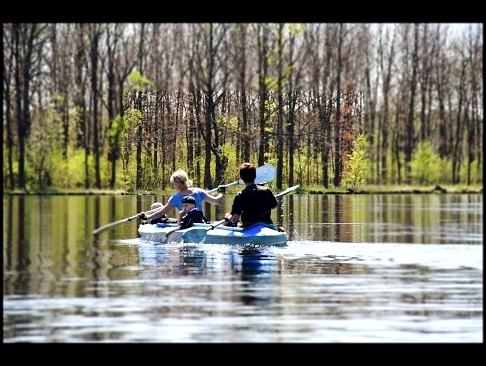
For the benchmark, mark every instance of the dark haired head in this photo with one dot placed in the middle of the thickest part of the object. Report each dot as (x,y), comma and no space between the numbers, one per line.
(189,199)
(247,172)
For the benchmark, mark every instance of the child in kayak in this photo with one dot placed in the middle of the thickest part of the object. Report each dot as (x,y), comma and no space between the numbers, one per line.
(190,214)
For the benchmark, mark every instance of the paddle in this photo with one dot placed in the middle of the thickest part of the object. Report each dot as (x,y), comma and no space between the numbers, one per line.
(287,191)
(128,219)
(217,223)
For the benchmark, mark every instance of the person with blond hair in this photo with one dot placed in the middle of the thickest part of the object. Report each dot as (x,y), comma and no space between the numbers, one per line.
(183,187)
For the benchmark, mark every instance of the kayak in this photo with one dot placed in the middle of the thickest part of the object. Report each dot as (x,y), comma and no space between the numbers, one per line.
(215,233)
(257,234)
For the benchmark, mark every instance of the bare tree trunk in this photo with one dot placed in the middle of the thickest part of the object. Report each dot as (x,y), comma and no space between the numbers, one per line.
(396,136)
(280,117)
(459,130)
(262,45)
(200,141)
(8,75)
(208,137)
(410,126)
(113,35)
(292,96)
(241,59)
(191,134)
(325,113)
(337,116)
(26,43)
(427,47)
(138,143)
(386,65)
(140,64)
(95,35)
(245,155)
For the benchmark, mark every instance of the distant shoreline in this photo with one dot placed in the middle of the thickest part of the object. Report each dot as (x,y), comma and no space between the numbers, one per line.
(438,189)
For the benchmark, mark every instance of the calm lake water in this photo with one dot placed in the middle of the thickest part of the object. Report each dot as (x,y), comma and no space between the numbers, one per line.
(357,268)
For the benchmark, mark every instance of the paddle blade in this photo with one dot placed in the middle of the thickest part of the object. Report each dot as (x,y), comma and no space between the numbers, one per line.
(109,226)
(287,191)
(264,173)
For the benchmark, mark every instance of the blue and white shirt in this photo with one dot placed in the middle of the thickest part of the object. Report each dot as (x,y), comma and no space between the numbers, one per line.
(199,195)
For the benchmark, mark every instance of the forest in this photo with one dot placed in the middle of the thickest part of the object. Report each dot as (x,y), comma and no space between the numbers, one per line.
(120,106)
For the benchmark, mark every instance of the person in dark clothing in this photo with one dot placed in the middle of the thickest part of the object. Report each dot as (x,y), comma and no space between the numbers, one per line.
(190,214)
(252,204)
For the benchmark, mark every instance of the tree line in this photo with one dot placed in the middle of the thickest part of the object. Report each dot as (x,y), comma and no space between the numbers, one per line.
(112,105)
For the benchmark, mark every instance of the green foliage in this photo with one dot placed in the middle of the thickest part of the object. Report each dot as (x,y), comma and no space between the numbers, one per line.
(44,139)
(271,82)
(71,173)
(270,159)
(270,108)
(229,123)
(65,172)
(129,176)
(132,119)
(426,166)
(149,179)
(6,168)
(356,165)
(117,131)
(296,28)
(136,81)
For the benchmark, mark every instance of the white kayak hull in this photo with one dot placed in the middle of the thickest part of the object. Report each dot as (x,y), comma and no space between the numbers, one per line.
(258,234)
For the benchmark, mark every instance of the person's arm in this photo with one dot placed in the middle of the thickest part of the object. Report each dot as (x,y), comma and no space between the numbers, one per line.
(181,215)
(233,218)
(161,212)
(235,214)
(156,205)
(214,200)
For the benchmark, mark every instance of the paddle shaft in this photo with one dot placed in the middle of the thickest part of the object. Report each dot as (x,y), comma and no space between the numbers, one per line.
(116,223)
(287,191)
(224,186)
(217,224)
(167,234)
(172,231)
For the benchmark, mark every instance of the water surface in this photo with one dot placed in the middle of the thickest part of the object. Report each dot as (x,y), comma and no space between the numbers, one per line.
(357,268)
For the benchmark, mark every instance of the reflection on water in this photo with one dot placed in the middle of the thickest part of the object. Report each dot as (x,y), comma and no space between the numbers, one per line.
(390,218)
(374,268)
